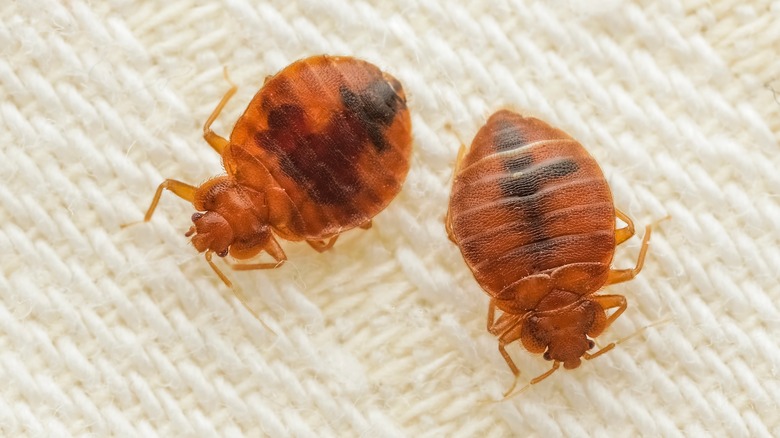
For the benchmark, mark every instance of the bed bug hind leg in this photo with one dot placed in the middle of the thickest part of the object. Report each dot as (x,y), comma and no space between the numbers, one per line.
(217,142)
(623,234)
(459,159)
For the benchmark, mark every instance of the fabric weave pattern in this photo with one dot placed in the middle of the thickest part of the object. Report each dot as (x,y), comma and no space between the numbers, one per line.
(110,331)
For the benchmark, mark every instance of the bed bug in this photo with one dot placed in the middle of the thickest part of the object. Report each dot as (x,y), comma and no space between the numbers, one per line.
(534,219)
(323,147)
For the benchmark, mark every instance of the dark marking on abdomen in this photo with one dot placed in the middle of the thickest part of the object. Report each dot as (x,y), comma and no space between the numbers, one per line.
(507,136)
(519,163)
(322,163)
(375,108)
(528,183)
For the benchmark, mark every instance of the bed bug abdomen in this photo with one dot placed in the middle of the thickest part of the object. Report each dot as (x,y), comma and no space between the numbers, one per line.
(529,200)
(335,134)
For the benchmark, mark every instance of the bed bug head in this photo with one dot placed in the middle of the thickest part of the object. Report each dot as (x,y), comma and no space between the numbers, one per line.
(563,335)
(568,349)
(210,231)
(230,223)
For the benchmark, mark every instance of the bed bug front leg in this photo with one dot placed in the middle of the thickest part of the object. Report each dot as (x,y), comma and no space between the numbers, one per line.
(273,249)
(237,293)
(223,277)
(535,380)
(214,140)
(180,189)
(538,379)
(608,302)
(508,328)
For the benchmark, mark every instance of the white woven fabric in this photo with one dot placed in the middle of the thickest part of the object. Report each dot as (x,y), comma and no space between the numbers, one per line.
(110,331)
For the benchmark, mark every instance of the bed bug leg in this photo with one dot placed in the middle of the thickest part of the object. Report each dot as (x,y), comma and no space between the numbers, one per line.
(214,140)
(621,275)
(238,294)
(180,189)
(502,349)
(273,249)
(447,218)
(623,234)
(508,328)
(448,227)
(516,372)
(321,245)
(612,345)
(504,324)
(366,225)
(491,317)
(459,159)
(608,302)
(538,379)
(223,277)
(510,335)
(534,381)
(242,299)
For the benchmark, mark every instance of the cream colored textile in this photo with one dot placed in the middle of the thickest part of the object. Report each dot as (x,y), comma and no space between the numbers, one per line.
(127,332)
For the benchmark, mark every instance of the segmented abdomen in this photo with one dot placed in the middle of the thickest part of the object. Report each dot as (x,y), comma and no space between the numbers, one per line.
(528,199)
(335,133)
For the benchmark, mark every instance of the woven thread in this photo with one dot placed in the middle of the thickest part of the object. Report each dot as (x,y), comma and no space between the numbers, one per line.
(128,332)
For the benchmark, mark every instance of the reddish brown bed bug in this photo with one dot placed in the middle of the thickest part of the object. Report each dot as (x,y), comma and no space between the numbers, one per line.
(533,216)
(322,148)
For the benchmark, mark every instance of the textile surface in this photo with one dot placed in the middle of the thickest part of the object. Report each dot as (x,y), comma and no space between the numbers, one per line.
(127,331)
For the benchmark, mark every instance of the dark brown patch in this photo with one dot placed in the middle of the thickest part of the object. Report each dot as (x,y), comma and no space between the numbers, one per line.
(375,108)
(320,162)
(519,163)
(507,136)
(524,184)
(323,162)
